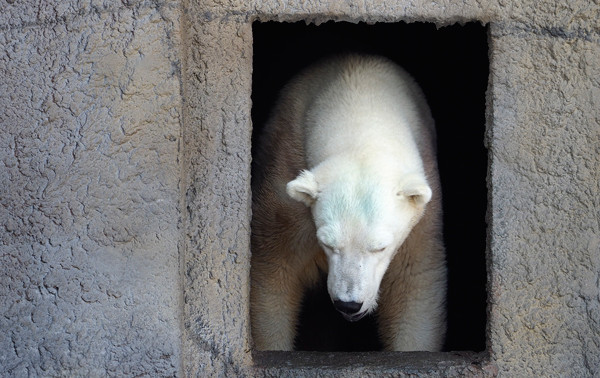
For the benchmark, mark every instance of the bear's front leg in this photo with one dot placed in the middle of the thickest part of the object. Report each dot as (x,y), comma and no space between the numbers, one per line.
(275,300)
(411,325)
(412,314)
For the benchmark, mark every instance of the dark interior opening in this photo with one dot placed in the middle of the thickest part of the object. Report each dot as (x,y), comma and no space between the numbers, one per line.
(451,66)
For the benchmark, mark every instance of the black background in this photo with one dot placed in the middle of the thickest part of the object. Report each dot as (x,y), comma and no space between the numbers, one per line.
(451,66)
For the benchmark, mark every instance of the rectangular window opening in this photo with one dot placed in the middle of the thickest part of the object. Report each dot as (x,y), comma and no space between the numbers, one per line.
(451,66)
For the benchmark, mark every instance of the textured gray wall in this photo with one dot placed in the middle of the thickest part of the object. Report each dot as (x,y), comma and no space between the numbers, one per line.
(124,195)
(544,139)
(90,112)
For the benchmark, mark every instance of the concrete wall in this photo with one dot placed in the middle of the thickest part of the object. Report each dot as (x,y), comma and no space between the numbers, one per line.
(90,113)
(124,195)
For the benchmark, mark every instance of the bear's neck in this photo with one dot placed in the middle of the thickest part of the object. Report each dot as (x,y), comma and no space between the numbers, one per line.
(374,135)
(375,147)
(379,165)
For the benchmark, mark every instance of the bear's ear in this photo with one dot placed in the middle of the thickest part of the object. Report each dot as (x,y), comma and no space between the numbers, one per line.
(303,188)
(416,189)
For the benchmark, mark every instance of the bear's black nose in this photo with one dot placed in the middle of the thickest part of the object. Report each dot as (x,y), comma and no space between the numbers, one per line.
(348,308)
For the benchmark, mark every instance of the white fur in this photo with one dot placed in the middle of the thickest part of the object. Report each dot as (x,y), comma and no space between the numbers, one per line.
(367,131)
(360,149)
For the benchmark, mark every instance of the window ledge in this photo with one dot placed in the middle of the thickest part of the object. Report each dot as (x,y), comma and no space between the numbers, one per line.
(376,363)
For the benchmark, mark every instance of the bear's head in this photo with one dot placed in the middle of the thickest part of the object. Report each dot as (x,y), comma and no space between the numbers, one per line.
(361,221)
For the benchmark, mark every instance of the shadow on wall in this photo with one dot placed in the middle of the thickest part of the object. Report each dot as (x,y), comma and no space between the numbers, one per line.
(451,66)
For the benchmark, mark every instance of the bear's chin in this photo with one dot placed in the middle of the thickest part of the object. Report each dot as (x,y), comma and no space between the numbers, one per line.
(354,317)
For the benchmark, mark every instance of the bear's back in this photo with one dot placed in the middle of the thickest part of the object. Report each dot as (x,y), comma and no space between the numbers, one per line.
(334,89)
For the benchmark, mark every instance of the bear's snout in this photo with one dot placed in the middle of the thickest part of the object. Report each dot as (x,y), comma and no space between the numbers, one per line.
(348,308)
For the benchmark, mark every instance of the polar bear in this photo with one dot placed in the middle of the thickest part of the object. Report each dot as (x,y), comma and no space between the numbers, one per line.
(346,183)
